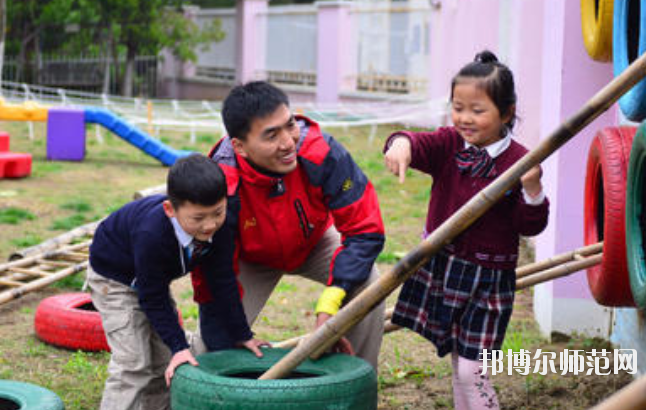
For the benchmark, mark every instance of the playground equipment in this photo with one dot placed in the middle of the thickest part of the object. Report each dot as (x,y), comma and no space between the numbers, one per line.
(596,24)
(328,334)
(604,214)
(42,269)
(635,219)
(20,395)
(70,320)
(12,164)
(66,130)
(630,41)
(227,379)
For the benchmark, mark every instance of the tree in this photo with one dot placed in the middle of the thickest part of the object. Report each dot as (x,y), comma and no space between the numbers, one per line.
(3,29)
(113,28)
(148,26)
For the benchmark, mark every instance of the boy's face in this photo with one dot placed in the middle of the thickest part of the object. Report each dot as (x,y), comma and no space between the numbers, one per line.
(271,142)
(199,221)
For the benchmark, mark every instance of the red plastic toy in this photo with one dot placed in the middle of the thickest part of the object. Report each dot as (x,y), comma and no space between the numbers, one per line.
(12,164)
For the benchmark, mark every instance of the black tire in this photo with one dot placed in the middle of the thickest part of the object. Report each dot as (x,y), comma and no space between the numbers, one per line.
(335,381)
(25,396)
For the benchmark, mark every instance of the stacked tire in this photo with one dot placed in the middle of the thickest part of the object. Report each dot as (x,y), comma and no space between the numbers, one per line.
(604,214)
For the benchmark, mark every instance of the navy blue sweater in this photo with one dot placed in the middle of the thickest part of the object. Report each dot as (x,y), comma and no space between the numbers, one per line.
(137,246)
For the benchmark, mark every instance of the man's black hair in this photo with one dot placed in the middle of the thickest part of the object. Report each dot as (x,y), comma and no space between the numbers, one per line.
(197,179)
(246,102)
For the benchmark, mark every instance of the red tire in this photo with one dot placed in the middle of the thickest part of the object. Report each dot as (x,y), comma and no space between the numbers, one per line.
(604,214)
(70,320)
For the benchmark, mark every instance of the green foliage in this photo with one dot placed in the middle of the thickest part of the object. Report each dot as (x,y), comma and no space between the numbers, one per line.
(13,216)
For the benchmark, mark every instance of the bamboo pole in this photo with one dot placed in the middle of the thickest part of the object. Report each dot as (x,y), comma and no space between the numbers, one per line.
(53,243)
(43,256)
(12,294)
(159,189)
(531,268)
(631,397)
(333,329)
(558,271)
(566,268)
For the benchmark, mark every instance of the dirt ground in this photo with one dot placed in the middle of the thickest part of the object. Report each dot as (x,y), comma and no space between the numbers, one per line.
(411,375)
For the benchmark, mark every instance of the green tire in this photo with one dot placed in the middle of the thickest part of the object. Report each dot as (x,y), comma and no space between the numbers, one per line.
(636,217)
(25,396)
(228,380)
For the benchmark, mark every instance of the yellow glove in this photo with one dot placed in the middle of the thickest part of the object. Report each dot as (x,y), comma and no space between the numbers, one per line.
(330,300)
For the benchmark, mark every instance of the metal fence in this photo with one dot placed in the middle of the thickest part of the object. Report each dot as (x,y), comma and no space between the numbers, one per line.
(86,73)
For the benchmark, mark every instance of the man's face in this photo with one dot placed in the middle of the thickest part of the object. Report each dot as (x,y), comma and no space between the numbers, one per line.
(199,221)
(271,142)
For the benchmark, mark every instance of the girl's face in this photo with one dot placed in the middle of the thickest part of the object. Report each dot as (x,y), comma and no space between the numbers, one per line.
(474,114)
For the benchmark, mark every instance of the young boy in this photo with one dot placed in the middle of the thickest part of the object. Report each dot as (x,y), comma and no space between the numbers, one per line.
(136,253)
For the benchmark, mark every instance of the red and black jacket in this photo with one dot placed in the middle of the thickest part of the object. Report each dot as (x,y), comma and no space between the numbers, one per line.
(278,220)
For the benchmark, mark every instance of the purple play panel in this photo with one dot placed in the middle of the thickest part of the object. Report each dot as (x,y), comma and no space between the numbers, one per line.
(65,134)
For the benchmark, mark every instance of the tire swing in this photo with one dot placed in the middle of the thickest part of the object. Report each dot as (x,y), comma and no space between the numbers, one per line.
(604,214)
(628,43)
(26,396)
(636,217)
(227,379)
(70,320)
(596,24)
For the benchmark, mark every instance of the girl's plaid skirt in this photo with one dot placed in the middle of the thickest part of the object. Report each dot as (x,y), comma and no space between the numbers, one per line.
(457,305)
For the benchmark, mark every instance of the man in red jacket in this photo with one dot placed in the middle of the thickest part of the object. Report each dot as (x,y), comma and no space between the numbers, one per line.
(298,204)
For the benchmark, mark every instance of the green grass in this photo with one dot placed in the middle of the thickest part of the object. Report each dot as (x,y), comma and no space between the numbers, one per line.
(73,282)
(69,222)
(13,216)
(26,241)
(64,195)
(79,206)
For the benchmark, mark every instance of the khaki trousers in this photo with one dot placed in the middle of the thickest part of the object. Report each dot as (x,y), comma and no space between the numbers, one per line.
(259,281)
(139,356)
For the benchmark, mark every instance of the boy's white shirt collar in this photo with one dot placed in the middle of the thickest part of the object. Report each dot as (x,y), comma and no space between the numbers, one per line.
(496,148)
(184,239)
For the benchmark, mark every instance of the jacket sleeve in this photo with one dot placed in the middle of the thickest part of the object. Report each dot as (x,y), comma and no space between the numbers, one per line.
(530,220)
(226,301)
(428,149)
(152,284)
(353,202)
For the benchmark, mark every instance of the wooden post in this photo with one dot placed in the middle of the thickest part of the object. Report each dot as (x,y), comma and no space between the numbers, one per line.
(332,330)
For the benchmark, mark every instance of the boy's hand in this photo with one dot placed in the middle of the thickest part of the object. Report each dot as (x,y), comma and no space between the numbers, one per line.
(254,345)
(531,181)
(398,157)
(343,345)
(181,357)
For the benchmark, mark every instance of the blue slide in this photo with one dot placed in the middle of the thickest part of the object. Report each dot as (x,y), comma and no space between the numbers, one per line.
(134,136)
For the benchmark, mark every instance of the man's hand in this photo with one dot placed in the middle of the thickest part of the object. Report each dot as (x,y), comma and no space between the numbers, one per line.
(181,357)
(398,157)
(254,345)
(343,345)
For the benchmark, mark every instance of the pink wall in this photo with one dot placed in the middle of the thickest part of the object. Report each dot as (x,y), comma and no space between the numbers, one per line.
(570,78)
(459,31)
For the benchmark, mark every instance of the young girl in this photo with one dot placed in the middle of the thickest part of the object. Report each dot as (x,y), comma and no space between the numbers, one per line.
(462,299)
